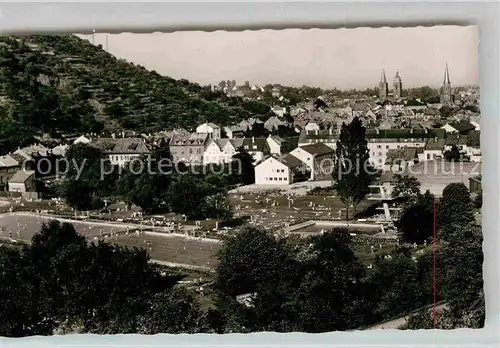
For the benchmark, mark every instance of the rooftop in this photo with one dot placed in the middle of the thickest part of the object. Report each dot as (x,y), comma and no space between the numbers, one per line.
(317,149)
(396,155)
(21,176)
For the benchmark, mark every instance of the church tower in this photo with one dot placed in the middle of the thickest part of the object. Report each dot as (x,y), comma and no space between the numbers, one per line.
(397,87)
(446,96)
(383,87)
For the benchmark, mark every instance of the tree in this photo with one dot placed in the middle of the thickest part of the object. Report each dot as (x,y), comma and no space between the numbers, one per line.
(416,224)
(143,187)
(319,104)
(453,154)
(86,182)
(462,283)
(353,173)
(255,262)
(197,198)
(242,163)
(174,311)
(446,111)
(406,187)
(330,296)
(59,281)
(397,289)
(455,207)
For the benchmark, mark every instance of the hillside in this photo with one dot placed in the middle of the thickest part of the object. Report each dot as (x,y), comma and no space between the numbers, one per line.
(61,84)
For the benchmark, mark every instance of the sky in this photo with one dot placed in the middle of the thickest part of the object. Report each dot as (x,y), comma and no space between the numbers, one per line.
(326,58)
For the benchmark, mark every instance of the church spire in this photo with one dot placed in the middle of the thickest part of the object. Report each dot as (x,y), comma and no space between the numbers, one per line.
(446,75)
(382,77)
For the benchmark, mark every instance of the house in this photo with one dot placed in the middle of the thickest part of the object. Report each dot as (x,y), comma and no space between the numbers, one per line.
(317,157)
(462,127)
(82,139)
(218,151)
(257,147)
(279,111)
(433,149)
(312,126)
(275,144)
(475,184)
(280,170)
(399,160)
(477,126)
(9,165)
(211,129)
(188,149)
(236,131)
(120,151)
(327,137)
(381,141)
(22,181)
(275,124)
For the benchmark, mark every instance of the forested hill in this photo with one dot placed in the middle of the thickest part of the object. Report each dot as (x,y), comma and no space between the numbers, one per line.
(66,84)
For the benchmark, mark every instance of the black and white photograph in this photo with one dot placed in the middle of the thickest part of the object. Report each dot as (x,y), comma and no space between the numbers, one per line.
(222,182)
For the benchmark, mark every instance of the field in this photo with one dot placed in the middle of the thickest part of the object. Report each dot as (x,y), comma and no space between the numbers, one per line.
(175,249)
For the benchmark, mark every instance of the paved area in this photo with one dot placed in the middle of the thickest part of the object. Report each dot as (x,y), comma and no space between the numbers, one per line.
(299,188)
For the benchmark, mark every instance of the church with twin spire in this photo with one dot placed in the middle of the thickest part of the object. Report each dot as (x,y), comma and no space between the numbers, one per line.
(445,93)
(383,87)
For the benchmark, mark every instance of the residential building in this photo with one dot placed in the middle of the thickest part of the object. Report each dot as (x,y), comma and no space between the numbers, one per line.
(188,149)
(120,151)
(236,131)
(22,181)
(328,137)
(317,157)
(462,127)
(312,126)
(219,151)
(275,124)
(399,160)
(211,129)
(433,149)
(9,165)
(279,111)
(381,141)
(82,139)
(275,143)
(257,147)
(280,170)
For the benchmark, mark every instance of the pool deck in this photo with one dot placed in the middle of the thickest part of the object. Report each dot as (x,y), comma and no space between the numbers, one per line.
(330,224)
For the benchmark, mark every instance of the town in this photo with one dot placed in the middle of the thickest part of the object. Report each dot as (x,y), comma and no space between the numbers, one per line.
(248,201)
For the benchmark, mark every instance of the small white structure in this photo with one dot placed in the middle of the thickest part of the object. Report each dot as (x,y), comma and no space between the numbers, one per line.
(275,144)
(82,139)
(209,128)
(278,170)
(22,181)
(120,151)
(317,157)
(312,126)
(218,151)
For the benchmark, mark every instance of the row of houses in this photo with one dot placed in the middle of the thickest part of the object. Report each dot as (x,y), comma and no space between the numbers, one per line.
(20,169)
(390,150)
